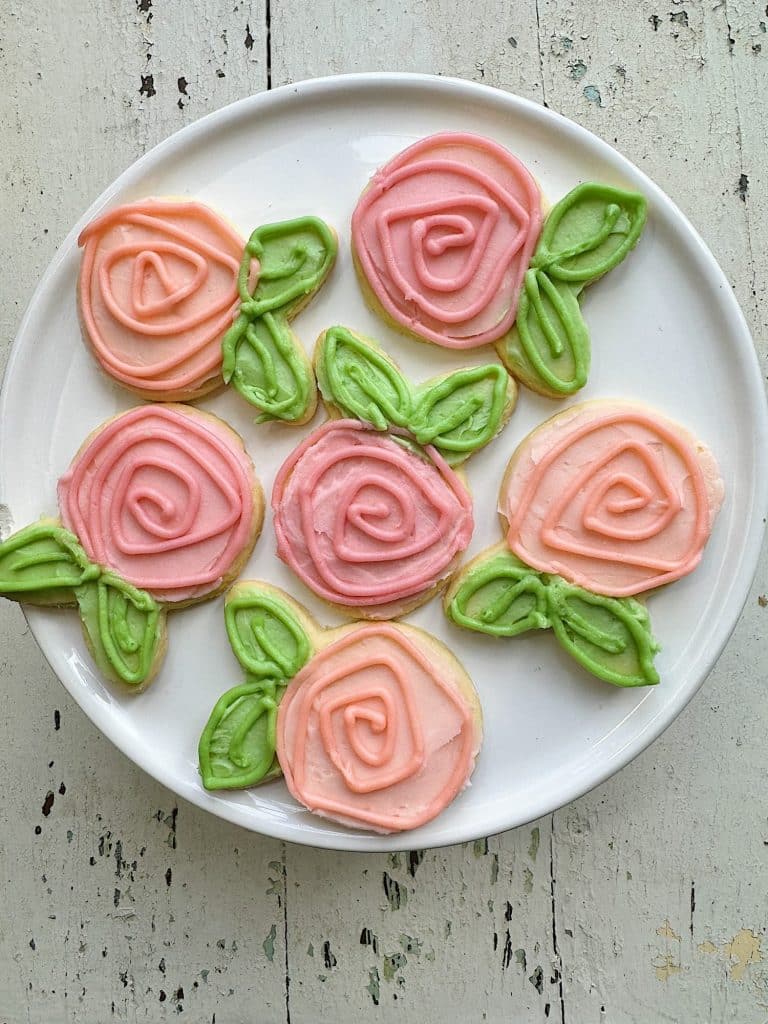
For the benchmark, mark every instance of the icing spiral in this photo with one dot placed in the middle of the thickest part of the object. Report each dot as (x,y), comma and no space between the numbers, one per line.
(164,496)
(612,497)
(158,289)
(374,732)
(365,523)
(443,236)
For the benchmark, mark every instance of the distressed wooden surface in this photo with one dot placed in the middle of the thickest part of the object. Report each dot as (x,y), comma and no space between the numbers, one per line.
(646,900)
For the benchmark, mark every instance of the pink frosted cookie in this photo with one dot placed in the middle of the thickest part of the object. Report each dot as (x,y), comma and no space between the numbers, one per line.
(367,524)
(611,496)
(165,496)
(380,729)
(157,292)
(442,237)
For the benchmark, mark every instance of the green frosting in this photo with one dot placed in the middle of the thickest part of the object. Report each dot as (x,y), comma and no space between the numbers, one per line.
(457,414)
(262,357)
(610,637)
(500,595)
(586,234)
(266,636)
(237,747)
(461,412)
(124,626)
(361,381)
(44,563)
(270,369)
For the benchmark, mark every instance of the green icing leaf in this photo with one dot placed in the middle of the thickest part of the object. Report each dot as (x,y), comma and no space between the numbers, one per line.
(237,747)
(123,625)
(261,356)
(361,381)
(589,232)
(44,562)
(461,412)
(586,234)
(295,257)
(265,634)
(611,637)
(499,595)
(502,596)
(549,344)
(264,361)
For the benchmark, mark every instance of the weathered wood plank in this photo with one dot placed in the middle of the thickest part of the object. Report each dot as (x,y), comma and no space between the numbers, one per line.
(659,910)
(492,42)
(117,903)
(464,933)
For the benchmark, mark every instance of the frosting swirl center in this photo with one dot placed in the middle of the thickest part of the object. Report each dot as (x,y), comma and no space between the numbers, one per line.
(163,497)
(363,521)
(443,236)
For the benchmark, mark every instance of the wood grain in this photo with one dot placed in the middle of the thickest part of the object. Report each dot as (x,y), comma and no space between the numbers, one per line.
(642,902)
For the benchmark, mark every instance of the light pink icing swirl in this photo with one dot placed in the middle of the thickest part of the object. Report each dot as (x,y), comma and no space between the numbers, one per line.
(613,497)
(374,732)
(165,497)
(365,523)
(158,289)
(444,234)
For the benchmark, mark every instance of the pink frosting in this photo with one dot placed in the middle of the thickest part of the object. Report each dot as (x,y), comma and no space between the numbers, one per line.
(374,732)
(613,497)
(164,498)
(444,235)
(158,289)
(362,521)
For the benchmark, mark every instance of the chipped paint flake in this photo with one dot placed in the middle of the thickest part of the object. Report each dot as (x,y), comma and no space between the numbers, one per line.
(533,848)
(592,93)
(742,950)
(667,931)
(268,945)
(665,966)
(374,985)
(707,947)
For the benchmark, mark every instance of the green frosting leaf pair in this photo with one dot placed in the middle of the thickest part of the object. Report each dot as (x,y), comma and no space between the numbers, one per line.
(586,234)
(610,637)
(457,414)
(237,747)
(262,357)
(124,627)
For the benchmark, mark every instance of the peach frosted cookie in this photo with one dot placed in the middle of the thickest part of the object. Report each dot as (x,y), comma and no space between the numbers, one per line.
(601,504)
(374,725)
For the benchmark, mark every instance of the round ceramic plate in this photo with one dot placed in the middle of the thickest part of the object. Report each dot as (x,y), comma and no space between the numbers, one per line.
(552,731)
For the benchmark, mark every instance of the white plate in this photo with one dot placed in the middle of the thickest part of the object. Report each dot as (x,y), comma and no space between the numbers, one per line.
(665,328)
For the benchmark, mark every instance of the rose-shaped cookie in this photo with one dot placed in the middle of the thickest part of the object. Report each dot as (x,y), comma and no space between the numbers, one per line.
(612,497)
(602,502)
(157,290)
(165,496)
(368,524)
(162,509)
(442,237)
(378,729)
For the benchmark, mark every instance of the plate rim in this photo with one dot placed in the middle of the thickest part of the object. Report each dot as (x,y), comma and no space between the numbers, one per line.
(755,399)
